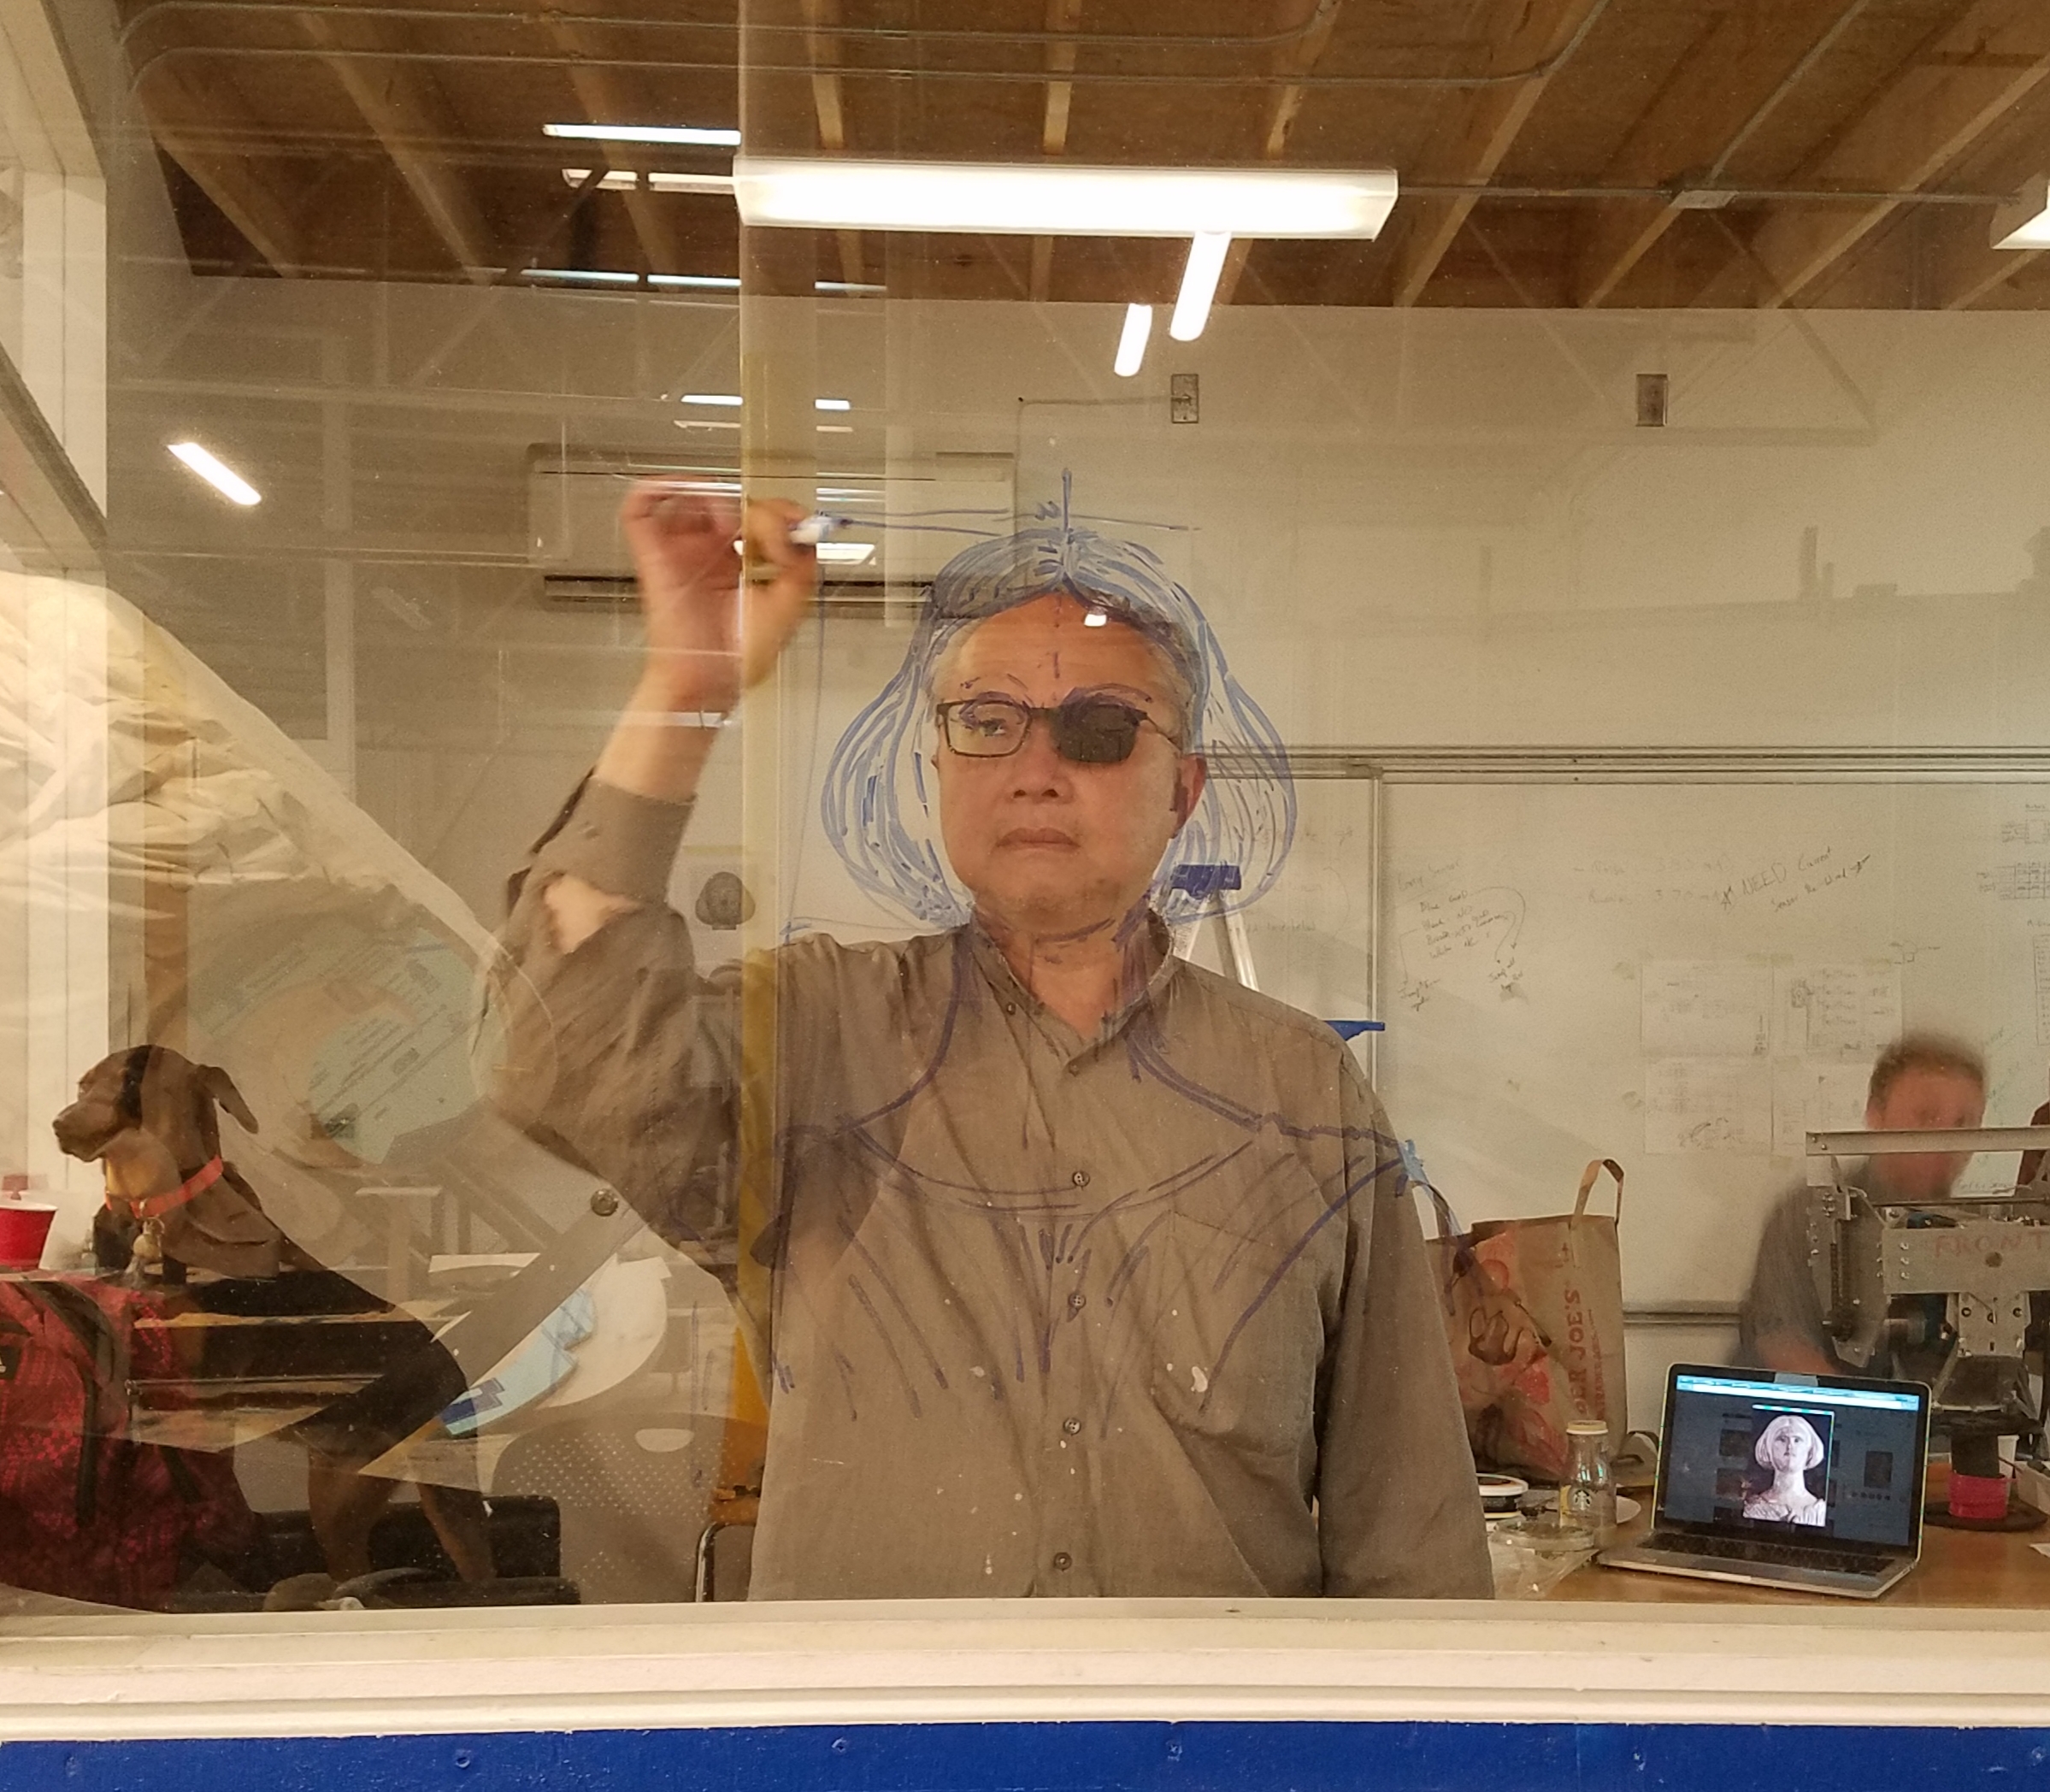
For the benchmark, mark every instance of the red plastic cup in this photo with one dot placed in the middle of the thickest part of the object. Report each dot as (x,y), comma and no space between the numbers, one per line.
(24,1230)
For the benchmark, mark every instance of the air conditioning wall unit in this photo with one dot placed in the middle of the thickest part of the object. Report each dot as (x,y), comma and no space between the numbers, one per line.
(900,529)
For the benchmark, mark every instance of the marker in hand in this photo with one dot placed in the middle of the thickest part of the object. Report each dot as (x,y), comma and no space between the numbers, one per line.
(805,532)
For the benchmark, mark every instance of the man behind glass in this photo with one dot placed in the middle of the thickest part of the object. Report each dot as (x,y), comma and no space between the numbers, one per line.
(1923,1081)
(1074,1269)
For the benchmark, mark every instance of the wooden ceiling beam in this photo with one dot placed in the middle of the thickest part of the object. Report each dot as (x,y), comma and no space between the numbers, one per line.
(1061,16)
(1471,145)
(405,107)
(1297,58)
(604,99)
(1941,106)
(829,103)
(1740,66)
(183,111)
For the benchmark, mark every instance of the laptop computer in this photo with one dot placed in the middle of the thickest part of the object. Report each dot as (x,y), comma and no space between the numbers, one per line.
(1809,1482)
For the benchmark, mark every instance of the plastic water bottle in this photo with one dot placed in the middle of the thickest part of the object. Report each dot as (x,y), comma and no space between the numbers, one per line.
(1587,1497)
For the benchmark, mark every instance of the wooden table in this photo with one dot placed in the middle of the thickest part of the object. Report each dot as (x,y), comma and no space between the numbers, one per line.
(1958,1568)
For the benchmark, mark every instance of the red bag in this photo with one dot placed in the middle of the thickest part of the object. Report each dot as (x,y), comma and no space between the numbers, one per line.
(85,1512)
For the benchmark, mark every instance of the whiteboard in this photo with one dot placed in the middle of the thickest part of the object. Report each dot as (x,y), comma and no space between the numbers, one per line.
(1681,977)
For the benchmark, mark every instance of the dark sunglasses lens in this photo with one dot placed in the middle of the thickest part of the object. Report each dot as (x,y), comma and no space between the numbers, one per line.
(1096,734)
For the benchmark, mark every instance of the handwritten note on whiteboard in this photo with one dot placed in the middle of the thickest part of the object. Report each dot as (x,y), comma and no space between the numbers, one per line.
(1708,1104)
(1704,1008)
(1466,940)
(1836,1011)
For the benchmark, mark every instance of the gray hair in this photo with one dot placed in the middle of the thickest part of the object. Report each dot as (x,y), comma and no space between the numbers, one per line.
(1178,690)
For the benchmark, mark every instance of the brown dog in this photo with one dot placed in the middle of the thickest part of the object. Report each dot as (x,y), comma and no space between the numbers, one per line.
(148,1117)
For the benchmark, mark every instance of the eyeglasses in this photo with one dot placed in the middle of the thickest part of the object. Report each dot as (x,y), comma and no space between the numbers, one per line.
(1084,730)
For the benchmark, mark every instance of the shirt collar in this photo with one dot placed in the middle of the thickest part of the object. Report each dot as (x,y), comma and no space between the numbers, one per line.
(1156,943)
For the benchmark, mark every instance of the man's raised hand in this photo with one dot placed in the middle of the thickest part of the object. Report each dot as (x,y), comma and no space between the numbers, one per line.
(711,633)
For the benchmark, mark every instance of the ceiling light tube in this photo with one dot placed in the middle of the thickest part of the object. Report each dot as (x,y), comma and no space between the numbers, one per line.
(613,181)
(1198,285)
(663,181)
(1132,341)
(702,135)
(1055,200)
(583,276)
(731,400)
(2026,223)
(707,282)
(221,477)
(832,403)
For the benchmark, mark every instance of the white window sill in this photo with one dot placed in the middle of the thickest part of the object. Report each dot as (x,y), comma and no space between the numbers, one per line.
(368,1673)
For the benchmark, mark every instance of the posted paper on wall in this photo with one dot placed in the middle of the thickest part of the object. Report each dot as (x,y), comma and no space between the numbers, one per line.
(1836,1011)
(1815,1097)
(1708,1104)
(1704,1008)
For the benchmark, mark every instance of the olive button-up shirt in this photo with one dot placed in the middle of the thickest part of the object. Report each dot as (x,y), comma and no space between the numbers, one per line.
(1146,1312)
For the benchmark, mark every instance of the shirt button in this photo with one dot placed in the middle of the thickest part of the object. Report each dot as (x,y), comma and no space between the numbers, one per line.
(1071,1426)
(1074,1070)
(1081,1179)
(1077,1302)
(1063,1560)
(1011,1007)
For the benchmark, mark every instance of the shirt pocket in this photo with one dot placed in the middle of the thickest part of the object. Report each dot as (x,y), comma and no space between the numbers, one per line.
(1238,1343)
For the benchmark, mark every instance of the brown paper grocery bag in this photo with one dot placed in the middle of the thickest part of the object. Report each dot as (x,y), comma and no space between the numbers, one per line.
(1533,1315)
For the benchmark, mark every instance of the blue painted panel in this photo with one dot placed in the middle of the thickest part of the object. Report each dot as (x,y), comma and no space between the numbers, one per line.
(1251,1757)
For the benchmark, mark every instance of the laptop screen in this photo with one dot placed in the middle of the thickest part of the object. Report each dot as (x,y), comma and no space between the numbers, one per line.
(1809,1459)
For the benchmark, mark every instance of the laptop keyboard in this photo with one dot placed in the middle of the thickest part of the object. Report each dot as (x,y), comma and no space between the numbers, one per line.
(1747,1550)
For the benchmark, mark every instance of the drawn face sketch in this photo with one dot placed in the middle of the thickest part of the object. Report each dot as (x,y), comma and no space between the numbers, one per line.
(1010,616)
(1042,844)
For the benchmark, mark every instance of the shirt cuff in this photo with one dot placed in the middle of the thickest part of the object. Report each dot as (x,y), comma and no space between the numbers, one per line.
(624,844)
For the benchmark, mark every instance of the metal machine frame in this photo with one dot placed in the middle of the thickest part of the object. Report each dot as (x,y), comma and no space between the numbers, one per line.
(1985,1254)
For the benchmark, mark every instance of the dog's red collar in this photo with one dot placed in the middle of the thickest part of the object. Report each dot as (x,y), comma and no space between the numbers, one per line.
(155,1206)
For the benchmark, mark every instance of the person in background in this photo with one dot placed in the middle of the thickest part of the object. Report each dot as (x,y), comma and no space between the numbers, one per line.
(1073,1268)
(2032,1161)
(1921,1081)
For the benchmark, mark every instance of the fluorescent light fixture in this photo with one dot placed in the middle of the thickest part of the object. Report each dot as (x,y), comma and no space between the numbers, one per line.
(703,424)
(700,282)
(1095,619)
(583,276)
(731,400)
(2026,223)
(663,181)
(700,134)
(846,553)
(222,478)
(832,403)
(1053,199)
(836,429)
(1198,285)
(1132,342)
(613,180)
(845,286)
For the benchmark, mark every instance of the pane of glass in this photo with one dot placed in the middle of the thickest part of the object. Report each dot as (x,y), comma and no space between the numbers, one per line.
(535,1073)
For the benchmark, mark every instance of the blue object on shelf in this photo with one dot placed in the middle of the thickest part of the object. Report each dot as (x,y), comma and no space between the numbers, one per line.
(1353,1029)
